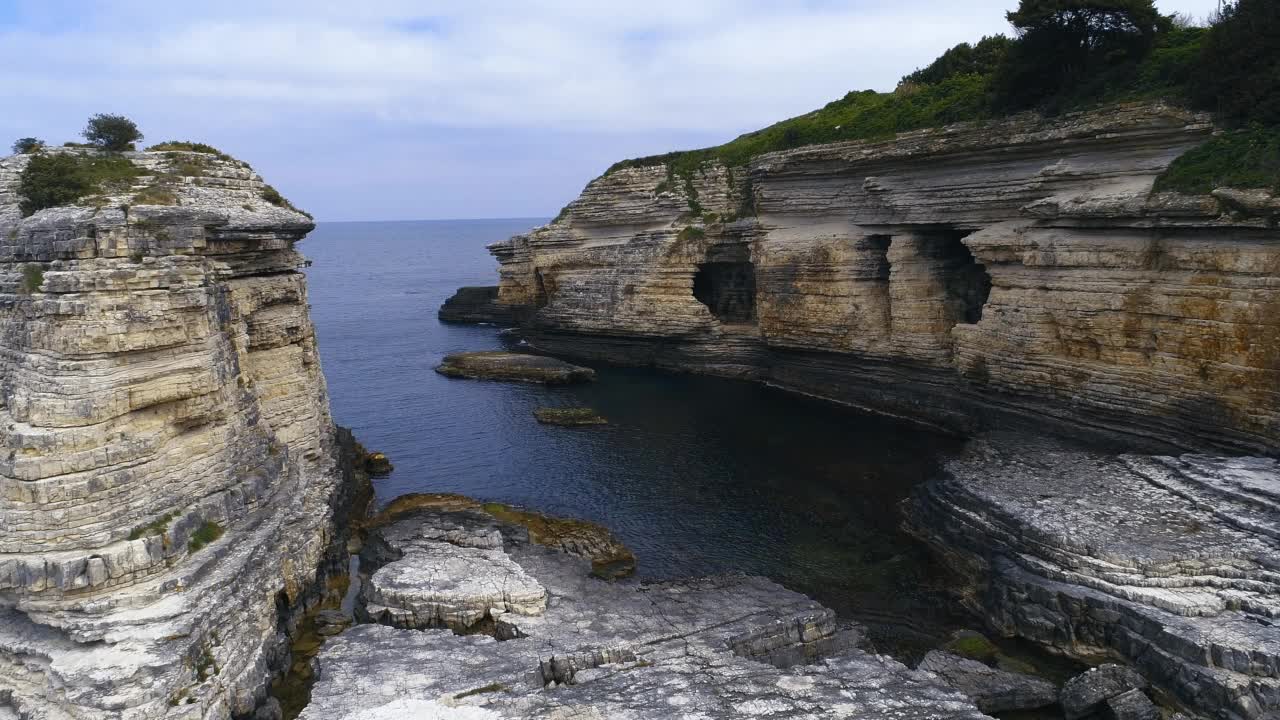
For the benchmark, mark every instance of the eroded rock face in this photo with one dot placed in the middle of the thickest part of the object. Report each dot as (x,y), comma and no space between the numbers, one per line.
(723,647)
(170,472)
(1167,562)
(992,689)
(477,305)
(967,276)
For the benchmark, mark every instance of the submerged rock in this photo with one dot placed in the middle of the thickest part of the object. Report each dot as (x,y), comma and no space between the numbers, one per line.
(1169,563)
(993,690)
(569,417)
(719,647)
(501,365)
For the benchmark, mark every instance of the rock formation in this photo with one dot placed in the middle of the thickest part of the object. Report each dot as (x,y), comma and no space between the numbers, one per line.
(1171,563)
(962,276)
(565,644)
(477,305)
(171,478)
(1014,276)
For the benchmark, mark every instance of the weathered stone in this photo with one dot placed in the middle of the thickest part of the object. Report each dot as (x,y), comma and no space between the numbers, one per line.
(1086,693)
(969,276)
(993,690)
(499,365)
(1131,705)
(1166,562)
(160,376)
(724,647)
(477,305)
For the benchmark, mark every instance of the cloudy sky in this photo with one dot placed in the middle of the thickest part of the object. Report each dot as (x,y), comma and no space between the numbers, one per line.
(400,109)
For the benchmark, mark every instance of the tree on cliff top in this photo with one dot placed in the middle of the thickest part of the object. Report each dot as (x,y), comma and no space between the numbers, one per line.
(1065,45)
(112,132)
(26,145)
(1239,75)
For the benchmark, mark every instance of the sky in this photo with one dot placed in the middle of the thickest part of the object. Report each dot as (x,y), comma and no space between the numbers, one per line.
(403,109)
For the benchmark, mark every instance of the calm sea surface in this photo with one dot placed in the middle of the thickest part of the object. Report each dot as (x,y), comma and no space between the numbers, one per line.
(697,475)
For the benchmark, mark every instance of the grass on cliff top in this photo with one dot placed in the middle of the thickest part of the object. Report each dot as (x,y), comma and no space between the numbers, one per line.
(188,146)
(54,180)
(1241,159)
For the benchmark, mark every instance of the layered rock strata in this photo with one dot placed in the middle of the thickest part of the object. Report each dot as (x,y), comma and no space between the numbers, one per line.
(726,647)
(1169,563)
(171,474)
(477,305)
(963,276)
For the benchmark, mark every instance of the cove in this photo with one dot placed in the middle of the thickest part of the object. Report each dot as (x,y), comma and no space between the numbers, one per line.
(697,475)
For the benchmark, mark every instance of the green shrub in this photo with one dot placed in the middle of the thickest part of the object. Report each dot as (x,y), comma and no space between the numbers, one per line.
(157,527)
(1241,159)
(54,180)
(27,145)
(111,132)
(32,277)
(188,146)
(208,532)
(274,197)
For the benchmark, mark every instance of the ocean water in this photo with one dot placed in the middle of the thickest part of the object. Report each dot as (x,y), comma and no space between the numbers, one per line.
(697,475)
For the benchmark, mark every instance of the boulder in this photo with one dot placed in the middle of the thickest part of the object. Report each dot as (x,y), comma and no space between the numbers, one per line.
(993,690)
(1086,693)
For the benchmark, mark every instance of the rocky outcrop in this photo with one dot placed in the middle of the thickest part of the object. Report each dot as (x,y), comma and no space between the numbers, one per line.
(970,276)
(992,689)
(1169,563)
(724,647)
(171,475)
(477,305)
(520,367)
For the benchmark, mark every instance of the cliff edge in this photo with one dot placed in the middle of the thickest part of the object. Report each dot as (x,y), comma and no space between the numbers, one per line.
(170,471)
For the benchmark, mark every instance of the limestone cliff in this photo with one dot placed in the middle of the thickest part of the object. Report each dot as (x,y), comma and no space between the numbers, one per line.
(170,467)
(966,276)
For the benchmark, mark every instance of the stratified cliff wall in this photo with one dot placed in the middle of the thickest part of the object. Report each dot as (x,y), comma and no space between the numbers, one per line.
(969,276)
(160,384)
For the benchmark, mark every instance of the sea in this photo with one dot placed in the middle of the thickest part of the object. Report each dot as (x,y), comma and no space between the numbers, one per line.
(697,475)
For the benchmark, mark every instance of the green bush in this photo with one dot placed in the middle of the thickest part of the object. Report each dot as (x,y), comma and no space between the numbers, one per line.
(32,277)
(53,180)
(274,197)
(26,145)
(188,146)
(1241,159)
(208,532)
(111,132)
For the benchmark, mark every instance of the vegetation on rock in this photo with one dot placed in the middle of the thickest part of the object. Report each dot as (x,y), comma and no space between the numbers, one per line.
(1247,158)
(1068,55)
(188,146)
(208,532)
(52,180)
(112,132)
(23,146)
(32,277)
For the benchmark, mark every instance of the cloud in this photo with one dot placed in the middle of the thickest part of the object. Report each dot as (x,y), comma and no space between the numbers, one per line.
(402,86)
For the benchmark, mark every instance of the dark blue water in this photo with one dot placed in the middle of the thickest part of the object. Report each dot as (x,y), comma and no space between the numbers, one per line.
(697,475)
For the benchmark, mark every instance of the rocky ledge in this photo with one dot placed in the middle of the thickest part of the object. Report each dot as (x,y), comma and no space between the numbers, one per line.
(554,641)
(501,365)
(1170,563)
(477,305)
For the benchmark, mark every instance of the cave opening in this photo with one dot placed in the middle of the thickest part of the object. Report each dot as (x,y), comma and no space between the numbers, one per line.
(540,296)
(728,289)
(968,285)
